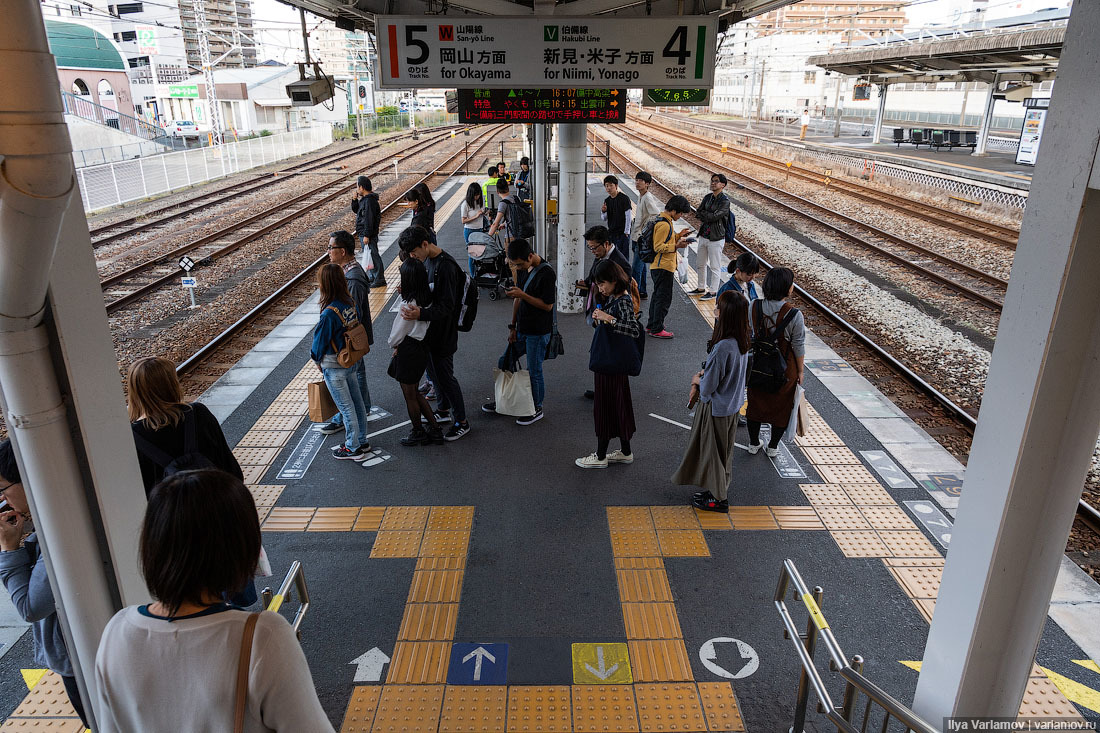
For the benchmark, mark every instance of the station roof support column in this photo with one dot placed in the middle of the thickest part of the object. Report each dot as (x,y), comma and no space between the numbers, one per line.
(881,112)
(1038,423)
(572,188)
(987,119)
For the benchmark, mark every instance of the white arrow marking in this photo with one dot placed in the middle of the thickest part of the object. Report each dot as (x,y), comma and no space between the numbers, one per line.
(369,665)
(603,673)
(709,657)
(477,655)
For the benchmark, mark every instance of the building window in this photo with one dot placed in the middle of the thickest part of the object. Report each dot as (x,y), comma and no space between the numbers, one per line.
(80,89)
(124,8)
(126,36)
(810,77)
(74,10)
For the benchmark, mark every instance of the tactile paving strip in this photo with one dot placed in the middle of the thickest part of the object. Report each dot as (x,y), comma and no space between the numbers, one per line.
(598,708)
(255,456)
(288,407)
(860,544)
(825,494)
(1043,700)
(334,519)
(370,518)
(276,422)
(926,606)
(752,517)
(919,582)
(868,494)
(399,543)
(37,725)
(683,542)
(539,708)
(361,708)
(666,707)
(428,622)
(409,709)
(842,517)
(674,517)
(713,520)
(435,586)
(419,662)
(887,517)
(634,543)
(826,456)
(451,517)
(651,621)
(474,709)
(624,518)
(644,586)
(720,706)
(441,562)
(639,563)
(908,544)
(660,660)
(835,474)
(819,439)
(253,474)
(797,517)
(289,519)
(263,511)
(48,699)
(265,494)
(915,562)
(445,543)
(405,517)
(265,439)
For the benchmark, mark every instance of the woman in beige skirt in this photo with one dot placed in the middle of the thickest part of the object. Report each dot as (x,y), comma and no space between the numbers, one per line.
(719,390)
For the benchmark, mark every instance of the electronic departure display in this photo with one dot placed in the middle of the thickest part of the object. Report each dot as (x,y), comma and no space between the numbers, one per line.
(541,105)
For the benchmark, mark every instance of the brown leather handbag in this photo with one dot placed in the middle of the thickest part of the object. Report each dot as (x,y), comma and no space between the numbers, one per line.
(356,343)
(242,671)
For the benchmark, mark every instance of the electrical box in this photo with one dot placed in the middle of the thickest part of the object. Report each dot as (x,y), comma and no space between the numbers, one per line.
(552,207)
(310,90)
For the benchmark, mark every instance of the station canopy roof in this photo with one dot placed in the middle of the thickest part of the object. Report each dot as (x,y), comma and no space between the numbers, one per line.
(359,14)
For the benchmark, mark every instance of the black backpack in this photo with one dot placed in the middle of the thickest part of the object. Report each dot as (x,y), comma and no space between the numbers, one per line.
(467,306)
(189,460)
(645,240)
(521,220)
(768,368)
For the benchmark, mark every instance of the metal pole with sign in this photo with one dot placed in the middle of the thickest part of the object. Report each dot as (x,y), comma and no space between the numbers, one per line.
(187,264)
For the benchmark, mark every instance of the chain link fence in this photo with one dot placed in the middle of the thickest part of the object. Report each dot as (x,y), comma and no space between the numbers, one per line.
(111,184)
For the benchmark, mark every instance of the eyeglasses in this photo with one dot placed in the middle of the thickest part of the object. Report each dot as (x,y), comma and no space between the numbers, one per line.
(5,488)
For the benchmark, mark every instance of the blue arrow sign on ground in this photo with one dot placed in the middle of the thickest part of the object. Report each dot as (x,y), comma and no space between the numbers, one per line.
(478,664)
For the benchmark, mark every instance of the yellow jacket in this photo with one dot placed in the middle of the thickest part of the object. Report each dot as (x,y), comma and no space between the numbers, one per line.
(666,250)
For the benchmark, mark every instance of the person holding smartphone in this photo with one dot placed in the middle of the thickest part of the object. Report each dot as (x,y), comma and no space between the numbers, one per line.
(666,244)
(23,572)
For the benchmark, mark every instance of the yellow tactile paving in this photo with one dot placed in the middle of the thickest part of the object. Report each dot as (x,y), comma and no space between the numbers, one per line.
(842,518)
(47,699)
(419,662)
(887,517)
(919,582)
(639,563)
(253,474)
(926,606)
(669,707)
(674,517)
(860,544)
(289,519)
(826,456)
(451,517)
(405,517)
(644,586)
(908,544)
(626,518)
(361,708)
(42,725)
(334,519)
(265,494)
(1043,700)
(255,456)
(868,494)
(713,520)
(398,543)
(276,422)
(797,517)
(428,622)
(265,438)
(752,517)
(825,494)
(660,660)
(683,542)
(370,518)
(599,708)
(441,562)
(819,439)
(720,706)
(287,407)
(634,543)
(474,709)
(539,709)
(263,511)
(445,543)
(651,621)
(835,474)
(409,709)
(435,586)
(915,562)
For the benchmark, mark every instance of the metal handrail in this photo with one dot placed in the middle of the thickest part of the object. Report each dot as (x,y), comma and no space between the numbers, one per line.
(297,576)
(856,683)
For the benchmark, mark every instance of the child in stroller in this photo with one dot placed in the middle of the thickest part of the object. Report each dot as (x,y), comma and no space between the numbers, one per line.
(491,269)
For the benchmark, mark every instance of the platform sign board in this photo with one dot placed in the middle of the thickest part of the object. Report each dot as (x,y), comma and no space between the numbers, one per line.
(675,97)
(1032,132)
(541,105)
(538,52)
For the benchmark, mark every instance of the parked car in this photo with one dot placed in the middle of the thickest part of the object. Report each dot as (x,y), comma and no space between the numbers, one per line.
(183,128)
(786,115)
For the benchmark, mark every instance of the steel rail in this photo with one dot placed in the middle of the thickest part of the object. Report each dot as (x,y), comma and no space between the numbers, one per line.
(960,288)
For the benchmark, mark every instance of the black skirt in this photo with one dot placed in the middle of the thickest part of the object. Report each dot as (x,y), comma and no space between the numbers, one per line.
(408,365)
(613,409)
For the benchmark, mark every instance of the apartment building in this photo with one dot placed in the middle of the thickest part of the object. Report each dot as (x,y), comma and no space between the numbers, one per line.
(230,33)
(856,20)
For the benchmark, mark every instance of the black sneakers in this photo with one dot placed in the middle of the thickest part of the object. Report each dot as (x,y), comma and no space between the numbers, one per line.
(331,427)
(457,431)
(530,419)
(709,504)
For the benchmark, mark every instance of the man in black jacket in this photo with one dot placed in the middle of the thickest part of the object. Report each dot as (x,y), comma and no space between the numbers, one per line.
(341,251)
(368,215)
(714,213)
(448,281)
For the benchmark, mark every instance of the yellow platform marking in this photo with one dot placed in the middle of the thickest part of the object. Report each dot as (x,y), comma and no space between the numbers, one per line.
(629,518)
(839,474)
(660,660)
(445,543)
(601,664)
(451,518)
(825,495)
(539,709)
(669,707)
(419,662)
(644,586)
(409,709)
(908,544)
(674,517)
(651,621)
(361,708)
(441,563)
(1088,664)
(474,709)
(639,563)
(752,517)
(860,544)
(46,700)
(598,708)
(683,542)
(797,517)
(829,456)
(370,518)
(428,622)
(436,586)
(1040,701)
(289,519)
(846,518)
(398,543)
(915,666)
(334,519)
(634,543)
(720,706)
(32,676)
(1074,691)
(405,518)
(887,517)
(713,520)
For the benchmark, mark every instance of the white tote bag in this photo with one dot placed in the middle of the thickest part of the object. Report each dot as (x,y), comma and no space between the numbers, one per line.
(792,424)
(512,392)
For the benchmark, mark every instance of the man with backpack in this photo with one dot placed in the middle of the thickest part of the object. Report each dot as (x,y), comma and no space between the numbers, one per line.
(658,245)
(368,217)
(648,207)
(448,282)
(514,217)
(714,213)
(341,251)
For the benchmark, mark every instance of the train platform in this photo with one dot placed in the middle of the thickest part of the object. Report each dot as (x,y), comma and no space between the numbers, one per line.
(491,585)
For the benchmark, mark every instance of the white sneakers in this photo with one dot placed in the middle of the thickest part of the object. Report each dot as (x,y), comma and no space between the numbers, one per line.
(593,461)
(617,456)
(754,449)
(771,452)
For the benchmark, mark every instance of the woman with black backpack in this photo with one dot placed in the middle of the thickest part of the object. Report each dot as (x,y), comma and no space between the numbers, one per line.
(779,354)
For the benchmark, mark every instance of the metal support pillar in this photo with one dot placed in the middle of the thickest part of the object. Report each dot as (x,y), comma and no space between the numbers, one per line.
(572,187)
(1038,423)
(881,113)
(836,106)
(539,169)
(987,119)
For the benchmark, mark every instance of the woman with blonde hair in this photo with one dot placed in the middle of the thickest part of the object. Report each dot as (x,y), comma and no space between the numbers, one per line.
(168,432)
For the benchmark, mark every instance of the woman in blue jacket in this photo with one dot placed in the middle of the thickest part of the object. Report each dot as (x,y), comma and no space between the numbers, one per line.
(338,313)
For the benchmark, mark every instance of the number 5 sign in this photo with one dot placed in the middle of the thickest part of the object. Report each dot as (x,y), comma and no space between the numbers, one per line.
(552,51)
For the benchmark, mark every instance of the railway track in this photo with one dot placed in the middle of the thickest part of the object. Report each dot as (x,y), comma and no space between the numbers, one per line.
(130,285)
(978,285)
(964,419)
(955,220)
(114,231)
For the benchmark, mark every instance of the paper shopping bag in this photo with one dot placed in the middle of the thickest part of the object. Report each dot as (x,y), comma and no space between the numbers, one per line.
(792,423)
(321,406)
(512,392)
(803,418)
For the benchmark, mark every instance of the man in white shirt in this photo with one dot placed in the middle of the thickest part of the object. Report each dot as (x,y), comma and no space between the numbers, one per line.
(805,122)
(648,207)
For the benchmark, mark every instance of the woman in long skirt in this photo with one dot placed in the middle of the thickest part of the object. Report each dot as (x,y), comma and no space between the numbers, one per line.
(718,392)
(613,409)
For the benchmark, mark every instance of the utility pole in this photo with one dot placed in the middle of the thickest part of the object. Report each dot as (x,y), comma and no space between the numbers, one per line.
(760,97)
(214,113)
(836,106)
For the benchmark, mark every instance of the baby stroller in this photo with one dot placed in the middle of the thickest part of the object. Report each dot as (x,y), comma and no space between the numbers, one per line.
(491,269)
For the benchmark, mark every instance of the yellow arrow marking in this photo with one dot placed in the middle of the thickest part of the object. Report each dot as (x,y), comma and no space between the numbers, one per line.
(915,666)
(1088,664)
(33,676)
(1074,691)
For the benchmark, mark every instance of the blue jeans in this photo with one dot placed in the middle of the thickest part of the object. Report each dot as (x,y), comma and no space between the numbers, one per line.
(361,378)
(536,353)
(638,269)
(344,388)
(466,236)
(622,243)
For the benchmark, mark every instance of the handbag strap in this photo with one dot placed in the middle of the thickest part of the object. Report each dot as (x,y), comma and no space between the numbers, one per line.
(242,671)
